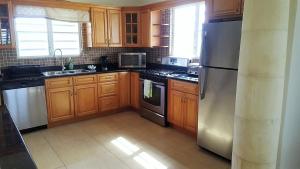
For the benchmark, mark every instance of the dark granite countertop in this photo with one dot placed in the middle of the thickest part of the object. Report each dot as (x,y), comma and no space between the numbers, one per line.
(13,152)
(111,69)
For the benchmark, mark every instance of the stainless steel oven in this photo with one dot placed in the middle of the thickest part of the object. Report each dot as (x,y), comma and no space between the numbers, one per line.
(132,60)
(154,107)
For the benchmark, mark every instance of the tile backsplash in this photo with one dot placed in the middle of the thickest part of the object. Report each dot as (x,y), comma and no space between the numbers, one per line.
(8,57)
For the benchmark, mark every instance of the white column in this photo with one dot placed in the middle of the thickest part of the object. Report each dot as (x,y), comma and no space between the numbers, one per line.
(260,84)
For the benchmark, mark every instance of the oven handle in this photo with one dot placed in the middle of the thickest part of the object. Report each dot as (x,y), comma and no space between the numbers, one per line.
(156,83)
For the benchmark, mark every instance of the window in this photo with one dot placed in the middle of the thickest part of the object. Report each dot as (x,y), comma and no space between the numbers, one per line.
(39,37)
(186,33)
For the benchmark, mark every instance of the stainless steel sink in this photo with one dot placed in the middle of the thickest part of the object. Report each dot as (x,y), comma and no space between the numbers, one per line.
(67,72)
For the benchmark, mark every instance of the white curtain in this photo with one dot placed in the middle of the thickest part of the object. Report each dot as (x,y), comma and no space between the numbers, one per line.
(69,15)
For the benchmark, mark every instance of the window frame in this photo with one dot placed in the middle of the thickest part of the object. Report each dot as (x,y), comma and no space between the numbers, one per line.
(50,42)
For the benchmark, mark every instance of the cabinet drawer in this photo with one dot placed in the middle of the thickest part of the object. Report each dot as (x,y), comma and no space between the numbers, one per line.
(59,82)
(108,103)
(108,77)
(185,87)
(107,89)
(79,80)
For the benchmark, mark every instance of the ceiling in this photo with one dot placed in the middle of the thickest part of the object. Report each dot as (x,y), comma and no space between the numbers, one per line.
(119,3)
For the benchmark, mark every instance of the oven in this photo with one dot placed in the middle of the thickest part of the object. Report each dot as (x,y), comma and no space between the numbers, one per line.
(154,107)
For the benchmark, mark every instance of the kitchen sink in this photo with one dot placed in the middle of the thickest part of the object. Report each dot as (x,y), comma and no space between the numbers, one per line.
(67,72)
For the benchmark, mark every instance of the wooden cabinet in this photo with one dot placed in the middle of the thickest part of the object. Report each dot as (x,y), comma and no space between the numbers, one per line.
(190,118)
(106,26)
(107,89)
(114,28)
(99,27)
(108,103)
(124,89)
(183,105)
(145,16)
(86,100)
(176,108)
(135,90)
(108,92)
(6,24)
(221,9)
(60,104)
(131,24)
(59,82)
(159,29)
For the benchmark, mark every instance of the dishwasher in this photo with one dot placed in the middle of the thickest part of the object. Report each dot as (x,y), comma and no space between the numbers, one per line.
(24,96)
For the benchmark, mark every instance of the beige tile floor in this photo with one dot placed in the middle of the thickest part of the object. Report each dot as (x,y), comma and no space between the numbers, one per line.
(120,141)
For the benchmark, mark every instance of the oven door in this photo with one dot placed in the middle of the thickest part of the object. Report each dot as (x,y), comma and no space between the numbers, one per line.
(156,103)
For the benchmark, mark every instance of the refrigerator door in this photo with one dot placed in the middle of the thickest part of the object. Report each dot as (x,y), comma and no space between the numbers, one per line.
(216,110)
(221,44)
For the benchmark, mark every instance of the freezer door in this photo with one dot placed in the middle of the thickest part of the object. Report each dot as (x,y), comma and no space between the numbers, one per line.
(221,44)
(216,110)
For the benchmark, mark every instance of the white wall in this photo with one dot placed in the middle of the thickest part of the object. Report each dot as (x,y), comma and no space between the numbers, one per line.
(289,149)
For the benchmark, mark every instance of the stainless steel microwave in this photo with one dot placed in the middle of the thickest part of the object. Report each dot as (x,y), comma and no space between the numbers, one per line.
(132,60)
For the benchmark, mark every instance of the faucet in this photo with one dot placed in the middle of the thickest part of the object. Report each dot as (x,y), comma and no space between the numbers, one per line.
(61,56)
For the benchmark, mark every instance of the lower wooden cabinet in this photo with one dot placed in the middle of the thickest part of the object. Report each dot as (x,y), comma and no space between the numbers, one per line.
(124,89)
(183,107)
(60,103)
(135,90)
(86,100)
(107,89)
(190,118)
(108,103)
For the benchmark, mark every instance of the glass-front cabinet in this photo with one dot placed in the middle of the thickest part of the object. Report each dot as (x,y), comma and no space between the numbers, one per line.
(131,29)
(5,24)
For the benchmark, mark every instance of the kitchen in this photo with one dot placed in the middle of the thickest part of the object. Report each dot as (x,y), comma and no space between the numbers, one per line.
(84,82)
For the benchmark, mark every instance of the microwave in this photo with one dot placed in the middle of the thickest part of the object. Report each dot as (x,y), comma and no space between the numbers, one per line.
(132,60)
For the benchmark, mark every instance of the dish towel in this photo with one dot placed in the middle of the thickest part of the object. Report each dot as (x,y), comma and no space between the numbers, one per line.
(147,89)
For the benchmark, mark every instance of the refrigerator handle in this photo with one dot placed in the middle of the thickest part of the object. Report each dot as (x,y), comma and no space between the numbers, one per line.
(203,51)
(203,82)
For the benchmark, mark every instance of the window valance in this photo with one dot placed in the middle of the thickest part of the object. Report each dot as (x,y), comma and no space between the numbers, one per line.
(69,15)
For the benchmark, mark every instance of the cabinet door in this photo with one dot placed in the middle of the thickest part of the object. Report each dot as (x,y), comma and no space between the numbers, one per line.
(191,113)
(219,9)
(60,104)
(108,103)
(107,89)
(176,108)
(99,26)
(6,24)
(131,27)
(114,28)
(86,100)
(124,89)
(135,90)
(145,28)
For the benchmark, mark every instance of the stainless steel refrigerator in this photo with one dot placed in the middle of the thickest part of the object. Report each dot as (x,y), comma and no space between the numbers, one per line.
(218,79)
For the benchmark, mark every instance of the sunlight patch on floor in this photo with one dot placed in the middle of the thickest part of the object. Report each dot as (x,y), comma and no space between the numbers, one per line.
(143,158)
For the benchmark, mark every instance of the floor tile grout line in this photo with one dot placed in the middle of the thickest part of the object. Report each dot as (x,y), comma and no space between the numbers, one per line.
(52,148)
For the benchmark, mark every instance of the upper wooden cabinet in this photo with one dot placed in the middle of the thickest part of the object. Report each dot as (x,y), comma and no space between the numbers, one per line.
(106,27)
(6,26)
(99,27)
(145,16)
(114,28)
(131,24)
(221,9)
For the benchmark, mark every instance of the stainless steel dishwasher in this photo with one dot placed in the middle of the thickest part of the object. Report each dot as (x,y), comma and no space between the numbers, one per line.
(24,97)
